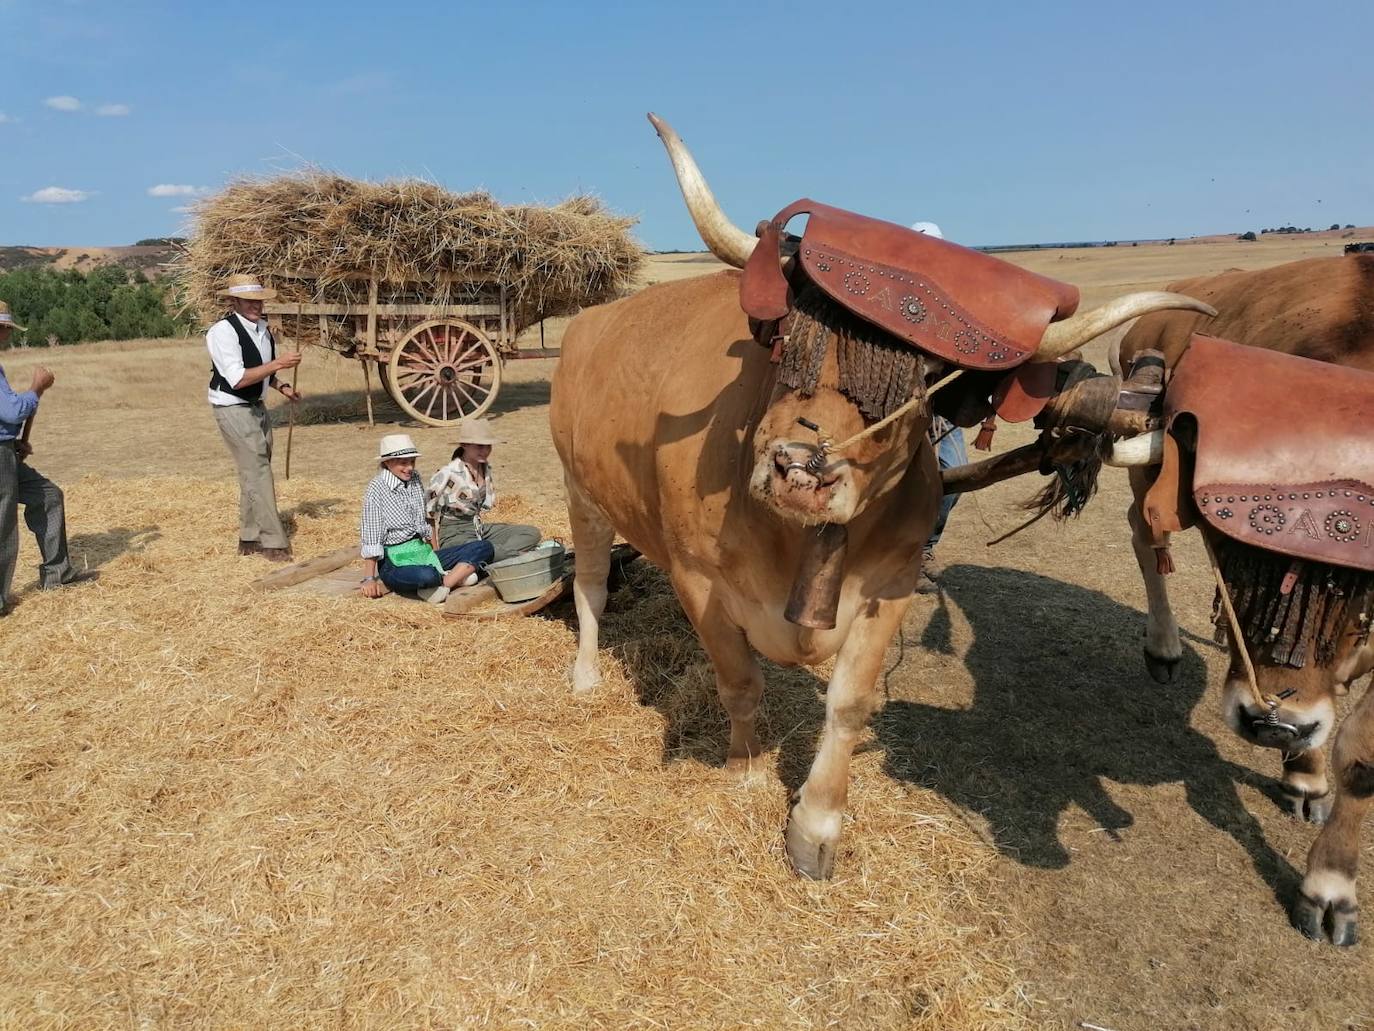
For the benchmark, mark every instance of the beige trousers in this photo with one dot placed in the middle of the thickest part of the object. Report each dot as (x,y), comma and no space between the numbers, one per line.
(247,430)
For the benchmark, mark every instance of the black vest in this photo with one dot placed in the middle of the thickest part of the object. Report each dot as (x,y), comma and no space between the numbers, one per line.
(252,358)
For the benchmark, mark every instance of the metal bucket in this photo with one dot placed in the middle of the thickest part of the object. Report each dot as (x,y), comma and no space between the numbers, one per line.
(528,575)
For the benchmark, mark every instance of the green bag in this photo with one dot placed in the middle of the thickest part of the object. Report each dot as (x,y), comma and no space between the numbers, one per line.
(414,552)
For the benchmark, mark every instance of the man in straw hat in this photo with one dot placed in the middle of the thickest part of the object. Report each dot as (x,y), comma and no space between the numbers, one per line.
(243,363)
(20,485)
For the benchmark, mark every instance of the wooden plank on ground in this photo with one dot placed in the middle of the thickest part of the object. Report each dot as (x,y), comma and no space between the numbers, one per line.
(310,569)
(338,574)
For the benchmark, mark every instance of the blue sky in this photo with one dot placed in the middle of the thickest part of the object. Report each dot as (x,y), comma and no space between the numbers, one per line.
(1002,122)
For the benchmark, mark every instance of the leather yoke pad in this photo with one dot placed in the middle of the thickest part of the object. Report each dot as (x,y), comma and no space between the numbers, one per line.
(1285,456)
(963,306)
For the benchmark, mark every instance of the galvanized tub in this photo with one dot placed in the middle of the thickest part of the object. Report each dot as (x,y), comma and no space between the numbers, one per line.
(529,574)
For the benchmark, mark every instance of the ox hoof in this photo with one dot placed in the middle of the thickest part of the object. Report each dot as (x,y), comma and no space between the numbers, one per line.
(1337,922)
(744,765)
(1162,670)
(584,680)
(811,855)
(1314,809)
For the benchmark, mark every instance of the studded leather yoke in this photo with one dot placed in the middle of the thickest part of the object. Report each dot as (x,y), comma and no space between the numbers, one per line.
(958,304)
(1285,449)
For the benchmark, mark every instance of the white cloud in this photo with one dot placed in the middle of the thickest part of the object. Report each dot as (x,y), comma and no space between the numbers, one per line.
(176,190)
(184,209)
(63,103)
(113,110)
(57,195)
(6,119)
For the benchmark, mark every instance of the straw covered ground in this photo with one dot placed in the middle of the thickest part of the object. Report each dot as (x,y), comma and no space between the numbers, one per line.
(554,259)
(229,809)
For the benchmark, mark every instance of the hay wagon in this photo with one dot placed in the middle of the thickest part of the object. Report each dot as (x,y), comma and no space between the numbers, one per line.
(438,357)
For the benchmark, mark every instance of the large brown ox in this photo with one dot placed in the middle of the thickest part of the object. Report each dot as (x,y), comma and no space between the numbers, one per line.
(1321,308)
(675,431)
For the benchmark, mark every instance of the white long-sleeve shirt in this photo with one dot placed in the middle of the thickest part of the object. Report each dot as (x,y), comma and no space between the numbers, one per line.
(223,345)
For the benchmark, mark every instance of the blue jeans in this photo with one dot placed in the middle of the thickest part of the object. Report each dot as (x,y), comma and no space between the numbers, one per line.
(949,452)
(413,578)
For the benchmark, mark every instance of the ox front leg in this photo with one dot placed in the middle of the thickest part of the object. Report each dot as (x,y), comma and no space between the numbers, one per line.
(813,826)
(1306,793)
(1163,649)
(592,539)
(1326,908)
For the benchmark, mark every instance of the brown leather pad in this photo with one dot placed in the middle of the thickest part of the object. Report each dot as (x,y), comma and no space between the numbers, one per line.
(961,305)
(1285,449)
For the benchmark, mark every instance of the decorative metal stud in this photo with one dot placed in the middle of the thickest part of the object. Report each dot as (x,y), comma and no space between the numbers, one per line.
(1267,518)
(1342,525)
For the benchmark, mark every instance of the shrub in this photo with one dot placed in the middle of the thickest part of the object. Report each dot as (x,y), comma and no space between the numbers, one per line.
(109,303)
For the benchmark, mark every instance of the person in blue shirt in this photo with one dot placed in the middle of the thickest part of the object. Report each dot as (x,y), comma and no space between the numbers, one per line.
(20,485)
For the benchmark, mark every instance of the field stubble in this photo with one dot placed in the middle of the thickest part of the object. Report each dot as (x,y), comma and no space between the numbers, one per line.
(229,809)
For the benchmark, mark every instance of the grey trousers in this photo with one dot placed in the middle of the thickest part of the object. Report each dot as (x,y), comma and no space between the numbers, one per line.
(506,539)
(248,432)
(43,514)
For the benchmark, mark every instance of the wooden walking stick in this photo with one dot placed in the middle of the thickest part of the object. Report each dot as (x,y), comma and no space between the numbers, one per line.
(291,418)
(291,412)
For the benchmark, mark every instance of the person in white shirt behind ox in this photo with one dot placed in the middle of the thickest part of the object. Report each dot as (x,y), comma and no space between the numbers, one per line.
(243,363)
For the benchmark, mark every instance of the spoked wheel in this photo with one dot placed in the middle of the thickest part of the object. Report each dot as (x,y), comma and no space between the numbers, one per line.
(443,371)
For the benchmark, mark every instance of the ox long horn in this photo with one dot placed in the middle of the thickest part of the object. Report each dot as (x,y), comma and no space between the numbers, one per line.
(727,241)
(1146,449)
(1062,337)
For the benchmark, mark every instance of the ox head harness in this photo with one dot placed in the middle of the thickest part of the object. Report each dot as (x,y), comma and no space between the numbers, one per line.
(1272,452)
(889,300)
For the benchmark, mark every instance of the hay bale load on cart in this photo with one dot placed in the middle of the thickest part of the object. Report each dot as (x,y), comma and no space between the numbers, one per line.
(430,286)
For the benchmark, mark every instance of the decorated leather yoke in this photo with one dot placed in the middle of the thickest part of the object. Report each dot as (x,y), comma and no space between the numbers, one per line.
(1283,468)
(962,306)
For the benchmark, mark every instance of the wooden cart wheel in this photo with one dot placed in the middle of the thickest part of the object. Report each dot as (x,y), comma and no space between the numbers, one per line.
(443,371)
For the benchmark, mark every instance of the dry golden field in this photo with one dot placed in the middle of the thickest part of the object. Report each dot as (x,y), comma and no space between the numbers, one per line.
(228,809)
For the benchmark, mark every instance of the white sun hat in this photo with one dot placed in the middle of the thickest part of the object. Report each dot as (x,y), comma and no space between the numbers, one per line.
(929,228)
(477,431)
(396,445)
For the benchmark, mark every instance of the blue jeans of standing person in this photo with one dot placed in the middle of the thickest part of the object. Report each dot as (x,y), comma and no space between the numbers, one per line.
(949,451)
(413,578)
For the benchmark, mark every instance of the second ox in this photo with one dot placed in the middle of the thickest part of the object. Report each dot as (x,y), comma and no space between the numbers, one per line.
(762,438)
(1271,456)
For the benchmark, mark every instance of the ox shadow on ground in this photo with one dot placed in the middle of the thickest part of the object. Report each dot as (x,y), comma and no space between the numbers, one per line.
(646,632)
(1061,706)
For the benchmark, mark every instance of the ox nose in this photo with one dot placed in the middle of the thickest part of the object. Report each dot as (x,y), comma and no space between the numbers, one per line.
(802,467)
(1277,729)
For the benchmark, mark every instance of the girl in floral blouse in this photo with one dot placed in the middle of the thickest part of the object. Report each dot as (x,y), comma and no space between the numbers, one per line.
(463,490)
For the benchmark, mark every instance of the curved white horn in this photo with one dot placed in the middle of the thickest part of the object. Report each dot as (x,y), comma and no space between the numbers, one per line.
(1146,449)
(1062,337)
(727,241)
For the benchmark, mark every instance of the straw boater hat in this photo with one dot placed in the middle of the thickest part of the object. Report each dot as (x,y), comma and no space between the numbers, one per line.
(477,431)
(396,445)
(6,319)
(247,288)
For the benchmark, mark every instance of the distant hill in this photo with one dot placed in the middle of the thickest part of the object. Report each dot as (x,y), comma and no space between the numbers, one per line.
(150,259)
